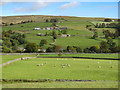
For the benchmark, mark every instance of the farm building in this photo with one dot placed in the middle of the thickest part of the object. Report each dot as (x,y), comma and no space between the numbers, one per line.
(40,34)
(42,50)
(65,35)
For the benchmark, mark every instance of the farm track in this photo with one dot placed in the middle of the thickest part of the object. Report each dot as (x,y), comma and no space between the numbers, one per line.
(9,62)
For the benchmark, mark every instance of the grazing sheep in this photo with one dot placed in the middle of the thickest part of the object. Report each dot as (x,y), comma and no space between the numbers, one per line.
(38,64)
(63,66)
(68,65)
(99,66)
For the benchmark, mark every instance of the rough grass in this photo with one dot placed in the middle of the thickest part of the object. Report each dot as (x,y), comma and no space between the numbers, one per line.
(98,84)
(6,58)
(28,69)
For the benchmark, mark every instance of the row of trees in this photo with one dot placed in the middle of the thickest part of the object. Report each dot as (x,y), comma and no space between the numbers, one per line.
(12,23)
(103,25)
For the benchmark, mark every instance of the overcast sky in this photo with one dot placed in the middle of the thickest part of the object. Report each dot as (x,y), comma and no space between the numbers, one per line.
(80,9)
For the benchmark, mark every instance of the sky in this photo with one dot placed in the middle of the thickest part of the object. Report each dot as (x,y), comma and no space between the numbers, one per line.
(79,9)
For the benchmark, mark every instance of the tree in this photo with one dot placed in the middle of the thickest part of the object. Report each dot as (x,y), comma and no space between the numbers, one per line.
(104,47)
(47,20)
(57,48)
(95,35)
(5,49)
(31,47)
(103,25)
(50,49)
(78,49)
(96,26)
(43,42)
(107,20)
(54,35)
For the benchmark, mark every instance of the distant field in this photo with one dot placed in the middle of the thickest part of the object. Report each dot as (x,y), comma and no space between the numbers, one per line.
(6,58)
(98,84)
(80,35)
(28,69)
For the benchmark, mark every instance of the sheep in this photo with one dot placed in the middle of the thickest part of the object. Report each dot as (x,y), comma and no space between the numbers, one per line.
(98,62)
(38,64)
(68,65)
(99,66)
(63,66)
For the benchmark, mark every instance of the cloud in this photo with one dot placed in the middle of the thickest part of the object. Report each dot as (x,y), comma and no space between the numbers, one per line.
(2,3)
(35,7)
(69,5)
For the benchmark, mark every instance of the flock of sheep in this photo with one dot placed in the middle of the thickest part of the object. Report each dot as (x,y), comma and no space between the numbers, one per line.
(62,65)
(68,65)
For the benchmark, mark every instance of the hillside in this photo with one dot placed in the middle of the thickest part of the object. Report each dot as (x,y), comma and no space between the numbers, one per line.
(80,36)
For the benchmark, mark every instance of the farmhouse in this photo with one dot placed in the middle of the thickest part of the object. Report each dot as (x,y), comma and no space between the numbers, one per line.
(65,35)
(40,34)
(64,28)
(42,50)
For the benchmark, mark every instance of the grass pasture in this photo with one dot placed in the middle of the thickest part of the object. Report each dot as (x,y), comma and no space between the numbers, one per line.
(28,69)
(98,84)
(6,58)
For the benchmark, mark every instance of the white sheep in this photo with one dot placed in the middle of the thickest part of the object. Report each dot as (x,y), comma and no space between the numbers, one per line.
(98,62)
(99,66)
(63,66)
(68,65)
(38,64)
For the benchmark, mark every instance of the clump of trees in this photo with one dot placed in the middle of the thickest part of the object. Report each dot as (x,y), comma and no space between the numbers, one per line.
(31,48)
(11,40)
(43,42)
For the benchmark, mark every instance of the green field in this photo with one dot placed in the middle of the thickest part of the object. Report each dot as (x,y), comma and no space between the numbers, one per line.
(98,84)
(6,58)
(80,69)
(28,69)
(80,35)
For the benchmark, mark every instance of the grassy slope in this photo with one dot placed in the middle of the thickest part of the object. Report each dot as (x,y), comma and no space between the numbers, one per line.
(98,84)
(76,25)
(6,58)
(28,69)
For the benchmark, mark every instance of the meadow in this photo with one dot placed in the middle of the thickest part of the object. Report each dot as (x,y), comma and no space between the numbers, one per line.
(97,84)
(83,69)
(6,58)
(80,69)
